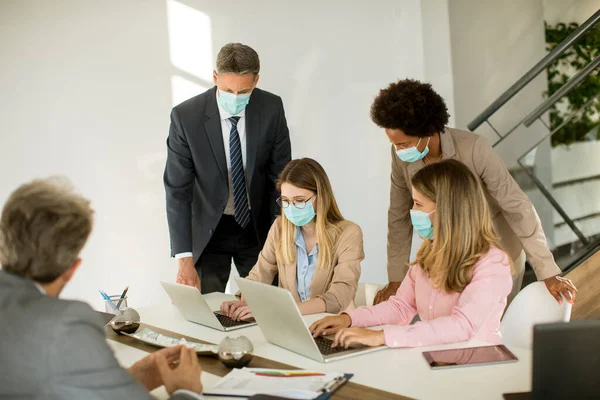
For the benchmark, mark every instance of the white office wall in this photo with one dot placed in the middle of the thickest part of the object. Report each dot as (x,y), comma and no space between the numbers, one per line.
(87,87)
(493,44)
(567,11)
(437,51)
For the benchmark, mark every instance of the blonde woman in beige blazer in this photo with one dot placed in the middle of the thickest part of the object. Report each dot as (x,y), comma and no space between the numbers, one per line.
(315,251)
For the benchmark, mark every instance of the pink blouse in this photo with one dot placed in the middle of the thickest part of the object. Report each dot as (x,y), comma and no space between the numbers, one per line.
(445,317)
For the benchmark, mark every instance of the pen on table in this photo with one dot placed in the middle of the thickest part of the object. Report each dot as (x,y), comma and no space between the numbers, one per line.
(122,297)
(291,374)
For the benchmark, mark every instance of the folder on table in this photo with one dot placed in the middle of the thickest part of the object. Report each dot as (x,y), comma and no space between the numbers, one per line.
(286,384)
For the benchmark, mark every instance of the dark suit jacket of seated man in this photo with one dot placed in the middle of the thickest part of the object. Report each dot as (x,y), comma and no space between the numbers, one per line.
(226,148)
(50,348)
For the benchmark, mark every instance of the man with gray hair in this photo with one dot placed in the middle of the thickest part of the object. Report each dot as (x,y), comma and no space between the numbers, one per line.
(56,349)
(225,149)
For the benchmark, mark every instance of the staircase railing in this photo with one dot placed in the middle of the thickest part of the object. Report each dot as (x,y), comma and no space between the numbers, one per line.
(530,75)
(591,68)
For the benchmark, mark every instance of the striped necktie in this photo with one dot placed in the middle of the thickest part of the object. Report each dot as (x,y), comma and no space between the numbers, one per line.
(238,178)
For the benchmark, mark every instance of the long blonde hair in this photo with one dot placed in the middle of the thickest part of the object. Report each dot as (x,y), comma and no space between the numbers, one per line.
(306,173)
(463,228)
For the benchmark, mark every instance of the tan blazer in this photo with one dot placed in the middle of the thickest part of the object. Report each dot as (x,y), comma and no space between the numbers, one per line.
(514,217)
(335,285)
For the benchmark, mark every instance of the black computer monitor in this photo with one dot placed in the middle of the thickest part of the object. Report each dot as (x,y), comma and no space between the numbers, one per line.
(566,360)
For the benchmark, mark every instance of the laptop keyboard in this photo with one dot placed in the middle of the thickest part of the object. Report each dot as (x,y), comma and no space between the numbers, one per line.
(228,322)
(325,348)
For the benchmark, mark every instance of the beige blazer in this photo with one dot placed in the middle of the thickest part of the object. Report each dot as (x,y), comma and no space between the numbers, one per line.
(514,217)
(335,285)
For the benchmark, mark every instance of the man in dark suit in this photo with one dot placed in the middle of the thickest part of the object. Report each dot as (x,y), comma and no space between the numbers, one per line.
(56,349)
(226,148)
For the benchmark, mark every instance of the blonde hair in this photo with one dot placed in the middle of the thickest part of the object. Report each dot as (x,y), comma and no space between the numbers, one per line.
(44,226)
(463,228)
(306,173)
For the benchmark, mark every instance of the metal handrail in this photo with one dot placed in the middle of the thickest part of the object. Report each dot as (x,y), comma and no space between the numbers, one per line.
(567,220)
(554,203)
(564,89)
(587,252)
(533,72)
(562,125)
(542,108)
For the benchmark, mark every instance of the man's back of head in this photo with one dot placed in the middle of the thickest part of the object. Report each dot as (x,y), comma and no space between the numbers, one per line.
(44,226)
(52,348)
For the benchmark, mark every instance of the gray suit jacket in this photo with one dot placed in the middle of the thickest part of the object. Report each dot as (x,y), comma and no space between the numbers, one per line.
(56,349)
(196,178)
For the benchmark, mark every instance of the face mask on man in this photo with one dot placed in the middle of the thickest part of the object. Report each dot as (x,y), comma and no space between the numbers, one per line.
(300,216)
(233,103)
(422,223)
(413,154)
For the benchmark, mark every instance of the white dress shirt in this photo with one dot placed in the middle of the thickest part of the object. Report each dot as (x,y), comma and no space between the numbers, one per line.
(226,130)
(40,288)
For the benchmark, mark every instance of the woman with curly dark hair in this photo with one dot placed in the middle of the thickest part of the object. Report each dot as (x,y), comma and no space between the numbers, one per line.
(414,118)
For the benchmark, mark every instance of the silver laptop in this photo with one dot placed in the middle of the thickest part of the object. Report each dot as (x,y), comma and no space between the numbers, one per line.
(194,308)
(282,324)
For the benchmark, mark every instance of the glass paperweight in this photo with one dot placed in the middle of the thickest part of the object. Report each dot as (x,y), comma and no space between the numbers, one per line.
(126,320)
(236,352)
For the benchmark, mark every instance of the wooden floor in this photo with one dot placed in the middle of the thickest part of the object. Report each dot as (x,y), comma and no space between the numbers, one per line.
(586,278)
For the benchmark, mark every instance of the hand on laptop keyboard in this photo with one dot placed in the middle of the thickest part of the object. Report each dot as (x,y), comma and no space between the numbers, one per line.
(237,310)
(325,348)
(349,336)
(228,322)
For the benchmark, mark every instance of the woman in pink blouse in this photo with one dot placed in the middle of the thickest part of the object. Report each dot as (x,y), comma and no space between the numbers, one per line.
(459,281)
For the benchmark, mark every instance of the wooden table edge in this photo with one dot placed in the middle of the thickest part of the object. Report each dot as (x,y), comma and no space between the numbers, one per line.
(350,391)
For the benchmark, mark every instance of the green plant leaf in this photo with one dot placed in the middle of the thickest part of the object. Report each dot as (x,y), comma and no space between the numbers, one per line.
(564,68)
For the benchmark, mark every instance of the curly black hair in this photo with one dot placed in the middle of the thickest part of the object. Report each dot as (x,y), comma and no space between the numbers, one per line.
(411,106)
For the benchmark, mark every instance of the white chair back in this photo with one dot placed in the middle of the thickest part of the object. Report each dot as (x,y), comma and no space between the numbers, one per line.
(533,305)
(365,294)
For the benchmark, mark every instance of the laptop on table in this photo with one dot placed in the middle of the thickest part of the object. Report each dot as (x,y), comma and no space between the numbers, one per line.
(282,324)
(194,308)
(566,362)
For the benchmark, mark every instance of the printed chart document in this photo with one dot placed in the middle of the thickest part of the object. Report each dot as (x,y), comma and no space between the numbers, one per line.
(293,384)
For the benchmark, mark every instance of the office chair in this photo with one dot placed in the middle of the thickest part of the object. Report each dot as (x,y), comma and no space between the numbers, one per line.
(533,305)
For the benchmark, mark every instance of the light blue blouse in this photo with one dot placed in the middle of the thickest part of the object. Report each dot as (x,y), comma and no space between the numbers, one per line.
(306,265)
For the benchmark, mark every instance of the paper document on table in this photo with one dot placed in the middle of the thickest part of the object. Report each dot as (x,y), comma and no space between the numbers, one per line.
(293,384)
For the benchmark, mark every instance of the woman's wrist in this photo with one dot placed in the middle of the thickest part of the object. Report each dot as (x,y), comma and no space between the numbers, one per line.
(348,319)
